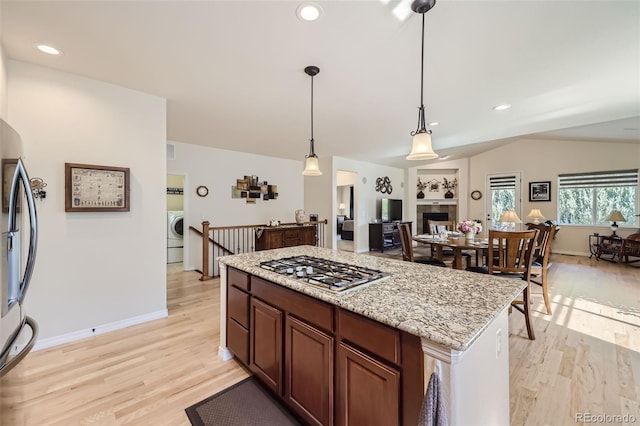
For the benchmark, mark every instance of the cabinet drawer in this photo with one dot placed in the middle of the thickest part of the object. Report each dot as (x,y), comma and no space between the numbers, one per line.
(291,234)
(238,306)
(238,341)
(313,311)
(238,278)
(377,338)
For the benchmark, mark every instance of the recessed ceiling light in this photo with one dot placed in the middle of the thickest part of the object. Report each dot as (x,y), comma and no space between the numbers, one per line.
(502,107)
(50,50)
(433,123)
(309,11)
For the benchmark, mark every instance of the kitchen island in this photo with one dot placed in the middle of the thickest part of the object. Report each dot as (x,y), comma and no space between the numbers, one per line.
(336,358)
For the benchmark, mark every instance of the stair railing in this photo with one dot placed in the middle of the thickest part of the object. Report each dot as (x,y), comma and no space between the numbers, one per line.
(237,239)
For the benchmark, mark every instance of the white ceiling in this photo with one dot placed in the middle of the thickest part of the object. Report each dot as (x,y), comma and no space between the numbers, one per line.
(232,71)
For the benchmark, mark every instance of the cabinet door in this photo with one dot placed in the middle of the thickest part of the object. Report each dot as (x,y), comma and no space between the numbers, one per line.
(266,344)
(309,236)
(309,372)
(368,392)
(274,239)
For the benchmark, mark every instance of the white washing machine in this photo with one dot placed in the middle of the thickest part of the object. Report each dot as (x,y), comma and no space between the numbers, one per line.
(175,231)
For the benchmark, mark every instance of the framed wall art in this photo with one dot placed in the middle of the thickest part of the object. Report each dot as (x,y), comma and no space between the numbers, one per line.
(90,188)
(540,191)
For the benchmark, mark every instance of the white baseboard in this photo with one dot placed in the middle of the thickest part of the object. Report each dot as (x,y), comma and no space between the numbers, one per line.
(105,328)
(224,353)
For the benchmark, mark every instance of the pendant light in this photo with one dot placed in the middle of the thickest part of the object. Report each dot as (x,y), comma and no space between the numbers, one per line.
(311,166)
(421,148)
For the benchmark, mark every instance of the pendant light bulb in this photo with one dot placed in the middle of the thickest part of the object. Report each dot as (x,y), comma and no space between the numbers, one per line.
(421,148)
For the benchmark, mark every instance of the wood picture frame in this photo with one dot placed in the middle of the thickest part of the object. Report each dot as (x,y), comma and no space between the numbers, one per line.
(91,188)
(540,191)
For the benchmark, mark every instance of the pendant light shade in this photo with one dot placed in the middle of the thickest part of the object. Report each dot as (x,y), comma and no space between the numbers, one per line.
(422,148)
(311,165)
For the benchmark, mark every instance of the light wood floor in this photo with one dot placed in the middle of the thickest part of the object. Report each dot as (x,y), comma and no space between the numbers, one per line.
(586,358)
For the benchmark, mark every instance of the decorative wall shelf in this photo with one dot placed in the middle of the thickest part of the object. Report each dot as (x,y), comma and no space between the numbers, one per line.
(437,201)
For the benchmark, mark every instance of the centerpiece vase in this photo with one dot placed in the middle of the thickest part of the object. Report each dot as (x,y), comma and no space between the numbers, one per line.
(469,236)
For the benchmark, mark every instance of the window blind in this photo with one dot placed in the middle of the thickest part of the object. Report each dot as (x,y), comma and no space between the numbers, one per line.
(502,182)
(608,179)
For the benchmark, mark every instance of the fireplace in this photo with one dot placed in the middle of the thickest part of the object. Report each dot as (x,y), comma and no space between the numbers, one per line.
(434,212)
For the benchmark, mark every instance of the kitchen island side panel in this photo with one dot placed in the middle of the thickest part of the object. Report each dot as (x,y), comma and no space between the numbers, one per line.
(474,382)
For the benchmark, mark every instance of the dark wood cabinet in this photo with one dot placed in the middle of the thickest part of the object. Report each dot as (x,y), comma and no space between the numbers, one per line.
(266,344)
(286,236)
(309,372)
(367,392)
(238,314)
(384,235)
(328,365)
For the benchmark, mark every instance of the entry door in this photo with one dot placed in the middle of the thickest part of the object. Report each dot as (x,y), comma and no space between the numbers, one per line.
(503,191)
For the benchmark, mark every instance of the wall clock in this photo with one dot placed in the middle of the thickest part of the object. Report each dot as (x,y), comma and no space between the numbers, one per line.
(202,191)
(476,195)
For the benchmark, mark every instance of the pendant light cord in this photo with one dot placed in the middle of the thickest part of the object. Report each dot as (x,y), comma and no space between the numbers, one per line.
(311,108)
(422,68)
(422,122)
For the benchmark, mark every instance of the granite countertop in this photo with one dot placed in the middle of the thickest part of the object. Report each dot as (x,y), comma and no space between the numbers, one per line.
(446,306)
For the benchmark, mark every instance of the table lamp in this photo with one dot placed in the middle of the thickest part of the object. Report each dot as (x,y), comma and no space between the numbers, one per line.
(341,206)
(615,216)
(536,215)
(510,217)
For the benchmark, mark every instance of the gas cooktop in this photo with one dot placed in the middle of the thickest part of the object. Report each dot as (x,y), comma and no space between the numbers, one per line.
(335,277)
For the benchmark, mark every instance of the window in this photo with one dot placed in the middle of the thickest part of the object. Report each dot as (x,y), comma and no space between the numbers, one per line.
(504,194)
(588,198)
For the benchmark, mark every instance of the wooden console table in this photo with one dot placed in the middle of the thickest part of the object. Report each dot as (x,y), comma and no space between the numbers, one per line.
(286,236)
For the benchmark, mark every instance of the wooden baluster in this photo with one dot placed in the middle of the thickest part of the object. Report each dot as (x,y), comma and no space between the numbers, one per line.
(205,251)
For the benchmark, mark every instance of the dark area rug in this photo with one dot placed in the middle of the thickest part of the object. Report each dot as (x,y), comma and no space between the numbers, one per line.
(244,404)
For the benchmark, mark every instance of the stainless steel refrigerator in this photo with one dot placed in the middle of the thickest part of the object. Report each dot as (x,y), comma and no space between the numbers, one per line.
(18,224)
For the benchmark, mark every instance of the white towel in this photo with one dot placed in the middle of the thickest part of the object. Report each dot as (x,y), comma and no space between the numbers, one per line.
(433,412)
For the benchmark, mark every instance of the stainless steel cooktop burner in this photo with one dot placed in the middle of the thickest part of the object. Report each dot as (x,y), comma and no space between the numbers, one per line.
(335,277)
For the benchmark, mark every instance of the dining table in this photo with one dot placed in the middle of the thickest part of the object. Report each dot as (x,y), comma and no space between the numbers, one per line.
(457,243)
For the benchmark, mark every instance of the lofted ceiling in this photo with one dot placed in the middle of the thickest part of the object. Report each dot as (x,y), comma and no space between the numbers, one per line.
(232,71)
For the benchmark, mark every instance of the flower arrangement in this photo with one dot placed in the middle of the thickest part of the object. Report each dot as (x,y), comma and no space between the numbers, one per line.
(421,185)
(449,184)
(470,226)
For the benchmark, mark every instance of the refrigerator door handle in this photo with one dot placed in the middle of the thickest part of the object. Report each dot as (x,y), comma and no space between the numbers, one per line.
(21,175)
(14,359)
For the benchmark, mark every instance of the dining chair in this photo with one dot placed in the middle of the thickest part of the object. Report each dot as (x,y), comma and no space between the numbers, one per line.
(407,248)
(434,227)
(630,248)
(510,255)
(541,264)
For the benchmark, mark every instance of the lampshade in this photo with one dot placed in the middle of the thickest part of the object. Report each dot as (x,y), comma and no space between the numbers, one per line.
(421,148)
(311,166)
(536,215)
(510,216)
(615,216)
(342,206)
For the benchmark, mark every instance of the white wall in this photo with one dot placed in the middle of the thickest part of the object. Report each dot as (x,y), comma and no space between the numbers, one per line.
(543,160)
(218,169)
(320,194)
(92,269)
(3,80)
